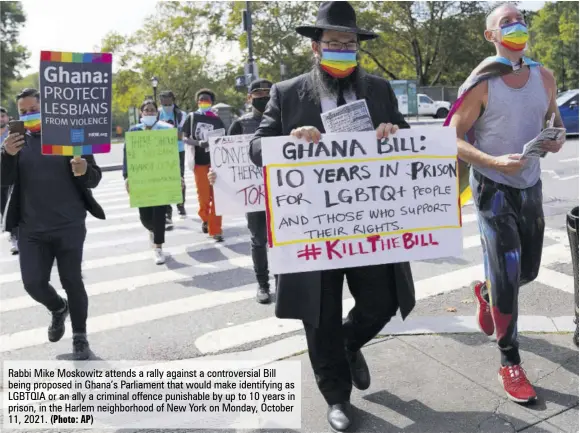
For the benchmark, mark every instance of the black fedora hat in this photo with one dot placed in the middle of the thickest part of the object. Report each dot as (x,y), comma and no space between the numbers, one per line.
(338,16)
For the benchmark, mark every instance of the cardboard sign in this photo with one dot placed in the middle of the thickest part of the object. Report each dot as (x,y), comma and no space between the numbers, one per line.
(239,186)
(153,168)
(75,93)
(352,200)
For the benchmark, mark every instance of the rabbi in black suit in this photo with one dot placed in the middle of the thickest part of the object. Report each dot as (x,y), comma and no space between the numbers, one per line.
(316,297)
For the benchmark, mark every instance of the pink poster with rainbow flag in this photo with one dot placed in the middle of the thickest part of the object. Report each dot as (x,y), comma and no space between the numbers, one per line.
(75,96)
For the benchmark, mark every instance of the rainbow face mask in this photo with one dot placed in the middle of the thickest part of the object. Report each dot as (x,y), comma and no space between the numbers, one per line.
(514,36)
(204,106)
(338,63)
(31,121)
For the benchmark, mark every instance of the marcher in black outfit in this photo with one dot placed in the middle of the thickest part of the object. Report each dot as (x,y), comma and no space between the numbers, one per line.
(172,114)
(316,297)
(258,96)
(153,218)
(5,190)
(49,201)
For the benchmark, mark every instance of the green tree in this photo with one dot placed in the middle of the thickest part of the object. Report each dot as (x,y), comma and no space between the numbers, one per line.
(274,36)
(554,40)
(174,46)
(13,55)
(436,42)
(14,87)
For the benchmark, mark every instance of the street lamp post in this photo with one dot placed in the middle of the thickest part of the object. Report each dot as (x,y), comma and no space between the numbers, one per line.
(154,83)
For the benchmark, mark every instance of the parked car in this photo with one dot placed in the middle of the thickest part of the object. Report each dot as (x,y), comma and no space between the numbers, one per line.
(568,104)
(429,107)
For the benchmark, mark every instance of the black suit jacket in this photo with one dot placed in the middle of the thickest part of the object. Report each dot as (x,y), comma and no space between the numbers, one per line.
(9,176)
(293,104)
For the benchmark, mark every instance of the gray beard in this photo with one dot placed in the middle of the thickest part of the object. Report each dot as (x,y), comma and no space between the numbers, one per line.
(326,86)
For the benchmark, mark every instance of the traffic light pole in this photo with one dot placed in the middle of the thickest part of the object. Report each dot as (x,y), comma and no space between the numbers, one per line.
(251,68)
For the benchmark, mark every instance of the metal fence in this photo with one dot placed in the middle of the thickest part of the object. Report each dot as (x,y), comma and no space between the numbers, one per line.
(439,93)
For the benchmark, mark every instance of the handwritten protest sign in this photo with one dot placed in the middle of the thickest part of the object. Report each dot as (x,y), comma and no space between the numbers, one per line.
(239,186)
(347,118)
(153,168)
(352,200)
(75,91)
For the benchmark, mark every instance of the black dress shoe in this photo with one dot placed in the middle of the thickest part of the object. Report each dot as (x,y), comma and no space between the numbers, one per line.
(339,416)
(359,370)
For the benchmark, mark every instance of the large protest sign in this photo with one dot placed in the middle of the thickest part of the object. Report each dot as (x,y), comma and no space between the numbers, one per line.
(153,168)
(75,92)
(239,186)
(352,200)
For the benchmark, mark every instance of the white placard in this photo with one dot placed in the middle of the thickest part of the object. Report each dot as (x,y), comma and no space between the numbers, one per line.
(352,200)
(350,117)
(239,186)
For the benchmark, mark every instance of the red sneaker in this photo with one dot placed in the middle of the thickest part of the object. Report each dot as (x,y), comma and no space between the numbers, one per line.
(515,384)
(483,312)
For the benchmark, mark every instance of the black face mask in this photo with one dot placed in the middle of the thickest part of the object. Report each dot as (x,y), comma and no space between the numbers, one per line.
(260,103)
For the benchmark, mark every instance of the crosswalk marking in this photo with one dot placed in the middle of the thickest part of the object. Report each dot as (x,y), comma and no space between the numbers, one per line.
(202,277)
(227,338)
(33,337)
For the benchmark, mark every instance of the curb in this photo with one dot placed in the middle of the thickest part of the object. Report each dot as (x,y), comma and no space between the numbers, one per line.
(114,167)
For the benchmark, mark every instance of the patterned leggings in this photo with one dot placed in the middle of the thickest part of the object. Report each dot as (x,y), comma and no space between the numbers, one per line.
(511,223)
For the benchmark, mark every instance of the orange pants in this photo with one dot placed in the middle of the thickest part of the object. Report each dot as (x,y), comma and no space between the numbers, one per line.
(206,201)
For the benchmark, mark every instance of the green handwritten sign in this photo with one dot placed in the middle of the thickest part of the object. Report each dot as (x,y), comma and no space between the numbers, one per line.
(153,168)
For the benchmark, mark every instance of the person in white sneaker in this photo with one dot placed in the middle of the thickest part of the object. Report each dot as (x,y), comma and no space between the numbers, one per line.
(152,218)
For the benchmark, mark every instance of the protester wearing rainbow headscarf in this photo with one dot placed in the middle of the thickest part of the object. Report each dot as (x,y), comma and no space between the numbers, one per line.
(195,133)
(505,103)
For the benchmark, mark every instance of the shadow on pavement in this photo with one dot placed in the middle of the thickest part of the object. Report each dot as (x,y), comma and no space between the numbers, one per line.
(424,419)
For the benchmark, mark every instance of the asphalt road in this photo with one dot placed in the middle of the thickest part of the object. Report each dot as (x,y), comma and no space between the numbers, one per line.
(202,300)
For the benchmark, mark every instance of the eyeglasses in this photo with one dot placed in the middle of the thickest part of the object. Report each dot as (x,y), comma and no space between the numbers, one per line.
(339,46)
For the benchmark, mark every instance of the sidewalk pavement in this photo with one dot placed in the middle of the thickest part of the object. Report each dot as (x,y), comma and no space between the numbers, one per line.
(448,383)
(114,161)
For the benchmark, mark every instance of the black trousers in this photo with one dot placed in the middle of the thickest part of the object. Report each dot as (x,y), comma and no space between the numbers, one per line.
(259,242)
(38,251)
(373,290)
(4,201)
(153,219)
(169,210)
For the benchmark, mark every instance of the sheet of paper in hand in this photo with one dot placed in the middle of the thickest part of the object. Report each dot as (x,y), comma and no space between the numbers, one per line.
(239,186)
(347,118)
(207,135)
(533,148)
(352,200)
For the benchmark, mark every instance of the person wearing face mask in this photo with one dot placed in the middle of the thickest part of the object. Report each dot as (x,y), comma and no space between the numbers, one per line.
(195,129)
(295,109)
(172,114)
(4,190)
(49,201)
(152,218)
(505,103)
(247,124)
